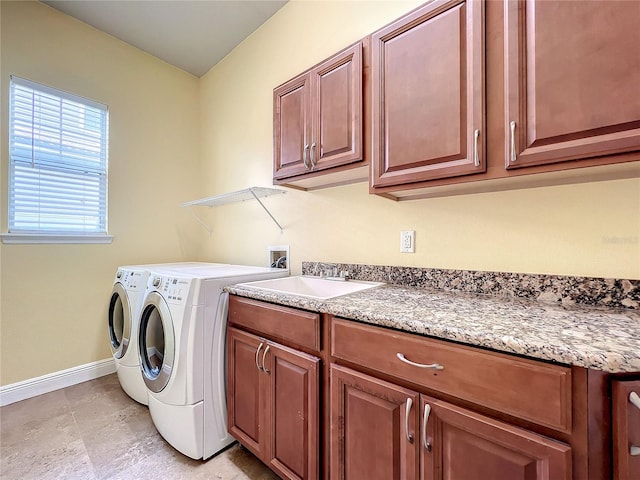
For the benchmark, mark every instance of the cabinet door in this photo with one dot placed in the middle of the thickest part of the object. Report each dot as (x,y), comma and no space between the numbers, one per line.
(626,430)
(373,433)
(428,94)
(293,412)
(291,127)
(462,445)
(572,71)
(337,110)
(245,400)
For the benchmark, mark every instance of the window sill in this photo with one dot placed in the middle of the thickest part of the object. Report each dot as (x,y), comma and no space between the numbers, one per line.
(38,238)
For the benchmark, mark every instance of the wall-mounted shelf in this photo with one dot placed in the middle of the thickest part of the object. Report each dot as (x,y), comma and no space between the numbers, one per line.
(252,193)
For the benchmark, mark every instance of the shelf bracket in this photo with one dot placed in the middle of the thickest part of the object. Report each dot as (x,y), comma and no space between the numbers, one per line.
(202,223)
(266,210)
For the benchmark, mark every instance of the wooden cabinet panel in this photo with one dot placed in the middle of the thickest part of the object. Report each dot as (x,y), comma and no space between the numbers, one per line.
(428,94)
(280,323)
(524,388)
(572,71)
(626,431)
(463,445)
(337,111)
(290,127)
(318,118)
(273,407)
(376,435)
(294,380)
(369,435)
(245,411)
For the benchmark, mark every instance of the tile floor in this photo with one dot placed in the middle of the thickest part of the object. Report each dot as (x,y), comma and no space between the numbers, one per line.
(94,431)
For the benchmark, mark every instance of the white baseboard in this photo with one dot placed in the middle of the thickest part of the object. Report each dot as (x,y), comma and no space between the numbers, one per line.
(55,381)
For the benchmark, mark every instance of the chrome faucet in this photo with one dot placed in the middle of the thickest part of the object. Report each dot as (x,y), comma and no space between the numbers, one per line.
(333,274)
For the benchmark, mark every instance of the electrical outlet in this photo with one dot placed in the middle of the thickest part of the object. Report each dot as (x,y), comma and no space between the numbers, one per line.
(407,241)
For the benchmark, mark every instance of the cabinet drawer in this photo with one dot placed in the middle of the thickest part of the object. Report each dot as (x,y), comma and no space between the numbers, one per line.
(527,389)
(284,324)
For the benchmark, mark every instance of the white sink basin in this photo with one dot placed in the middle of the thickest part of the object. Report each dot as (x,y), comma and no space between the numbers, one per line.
(312,287)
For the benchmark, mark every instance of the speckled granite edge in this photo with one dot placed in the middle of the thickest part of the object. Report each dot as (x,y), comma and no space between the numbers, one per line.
(591,337)
(563,290)
(295,301)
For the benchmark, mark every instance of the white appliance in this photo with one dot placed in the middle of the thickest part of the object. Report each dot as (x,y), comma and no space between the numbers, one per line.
(182,343)
(127,296)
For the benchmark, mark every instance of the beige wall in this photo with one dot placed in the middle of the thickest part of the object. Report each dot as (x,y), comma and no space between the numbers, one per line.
(175,138)
(589,229)
(54,297)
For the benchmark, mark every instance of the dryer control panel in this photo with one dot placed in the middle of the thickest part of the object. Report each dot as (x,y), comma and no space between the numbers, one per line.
(131,279)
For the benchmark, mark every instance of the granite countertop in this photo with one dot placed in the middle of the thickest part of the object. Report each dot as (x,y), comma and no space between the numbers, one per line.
(592,337)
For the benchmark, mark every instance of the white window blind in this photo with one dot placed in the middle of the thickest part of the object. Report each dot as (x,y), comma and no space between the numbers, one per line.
(58,146)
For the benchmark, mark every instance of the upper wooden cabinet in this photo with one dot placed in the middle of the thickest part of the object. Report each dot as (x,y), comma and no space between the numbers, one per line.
(572,80)
(318,122)
(428,94)
(291,127)
(551,86)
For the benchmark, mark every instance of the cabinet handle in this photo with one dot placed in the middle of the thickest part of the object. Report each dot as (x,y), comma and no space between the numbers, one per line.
(433,366)
(407,412)
(513,140)
(425,419)
(304,156)
(634,450)
(265,369)
(311,156)
(476,158)
(258,353)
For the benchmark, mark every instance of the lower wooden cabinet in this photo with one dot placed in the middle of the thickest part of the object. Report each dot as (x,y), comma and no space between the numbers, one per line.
(520,387)
(373,425)
(457,443)
(315,396)
(272,398)
(626,430)
(380,430)
(244,392)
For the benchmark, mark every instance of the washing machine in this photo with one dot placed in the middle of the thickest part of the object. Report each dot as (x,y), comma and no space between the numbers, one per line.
(182,342)
(127,296)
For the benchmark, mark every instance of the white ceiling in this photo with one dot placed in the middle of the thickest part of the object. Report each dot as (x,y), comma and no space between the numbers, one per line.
(193,35)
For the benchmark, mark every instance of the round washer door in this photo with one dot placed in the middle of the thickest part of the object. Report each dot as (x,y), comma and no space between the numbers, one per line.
(119,324)
(157,343)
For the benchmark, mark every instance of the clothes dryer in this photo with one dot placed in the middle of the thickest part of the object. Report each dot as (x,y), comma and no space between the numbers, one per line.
(127,296)
(182,346)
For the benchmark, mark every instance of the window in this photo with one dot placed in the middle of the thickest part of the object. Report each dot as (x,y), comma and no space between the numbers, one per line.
(57,166)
